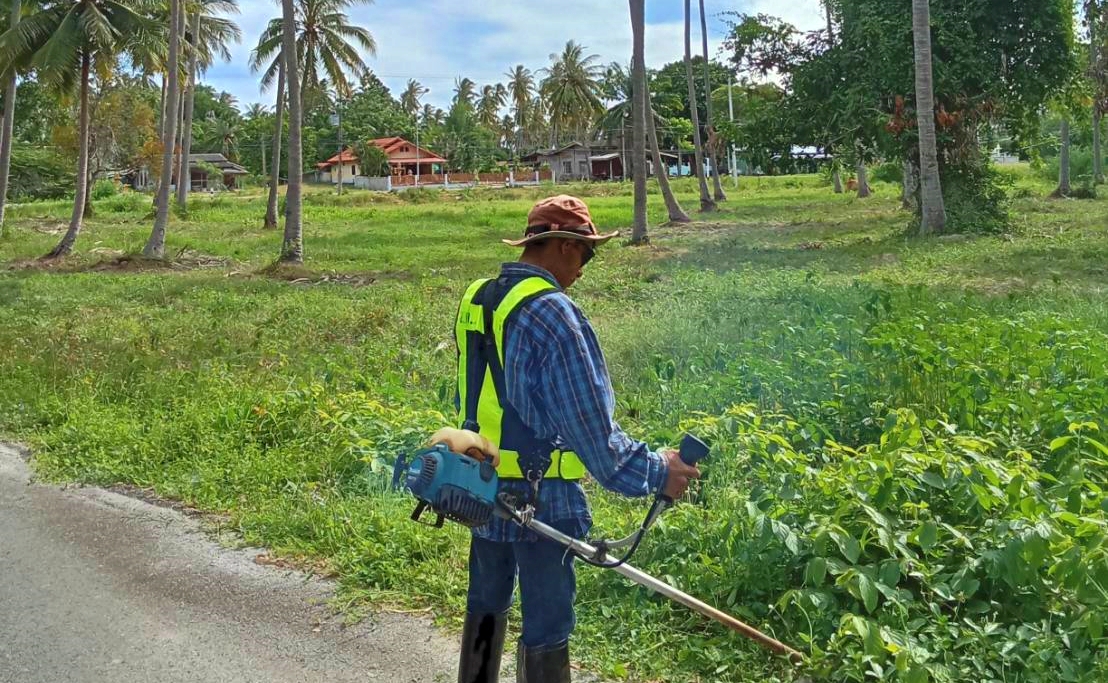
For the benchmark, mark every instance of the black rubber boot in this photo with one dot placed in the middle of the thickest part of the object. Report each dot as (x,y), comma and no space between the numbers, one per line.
(482,647)
(545,666)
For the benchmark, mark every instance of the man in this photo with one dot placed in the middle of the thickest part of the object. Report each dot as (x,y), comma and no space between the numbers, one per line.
(533,381)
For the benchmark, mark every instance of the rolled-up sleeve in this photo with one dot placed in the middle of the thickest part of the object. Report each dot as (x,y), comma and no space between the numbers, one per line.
(571,384)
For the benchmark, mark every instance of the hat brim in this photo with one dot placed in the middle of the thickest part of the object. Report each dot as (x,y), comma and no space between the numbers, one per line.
(562,234)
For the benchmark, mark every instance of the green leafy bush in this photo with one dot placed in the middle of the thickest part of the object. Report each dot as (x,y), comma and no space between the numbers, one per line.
(39,174)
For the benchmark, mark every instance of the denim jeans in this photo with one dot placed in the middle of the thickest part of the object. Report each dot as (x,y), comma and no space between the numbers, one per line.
(547,585)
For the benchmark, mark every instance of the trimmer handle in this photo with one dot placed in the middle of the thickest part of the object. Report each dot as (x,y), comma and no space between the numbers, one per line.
(693,450)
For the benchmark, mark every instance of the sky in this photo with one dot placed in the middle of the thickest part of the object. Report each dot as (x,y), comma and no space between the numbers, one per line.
(437,41)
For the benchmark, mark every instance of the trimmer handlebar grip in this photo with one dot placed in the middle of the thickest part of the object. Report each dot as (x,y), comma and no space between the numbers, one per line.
(693,450)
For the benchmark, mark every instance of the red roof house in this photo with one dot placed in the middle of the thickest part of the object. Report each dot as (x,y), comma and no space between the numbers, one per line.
(405,158)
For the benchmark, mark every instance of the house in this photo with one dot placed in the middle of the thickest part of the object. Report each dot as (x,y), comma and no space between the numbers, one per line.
(213,171)
(610,166)
(570,162)
(405,158)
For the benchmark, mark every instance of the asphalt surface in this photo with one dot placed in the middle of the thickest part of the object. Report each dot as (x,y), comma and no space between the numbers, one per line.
(100,587)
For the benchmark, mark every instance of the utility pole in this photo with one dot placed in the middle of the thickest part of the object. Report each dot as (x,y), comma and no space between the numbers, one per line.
(731,114)
(417,151)
(337,120)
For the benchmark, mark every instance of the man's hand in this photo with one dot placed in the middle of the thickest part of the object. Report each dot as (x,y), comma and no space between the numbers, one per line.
(677,479)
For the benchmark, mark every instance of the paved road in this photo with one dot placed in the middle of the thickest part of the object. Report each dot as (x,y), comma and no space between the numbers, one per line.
(96,587)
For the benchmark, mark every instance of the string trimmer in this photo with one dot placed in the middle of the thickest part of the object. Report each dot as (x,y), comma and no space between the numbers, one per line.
(465,490)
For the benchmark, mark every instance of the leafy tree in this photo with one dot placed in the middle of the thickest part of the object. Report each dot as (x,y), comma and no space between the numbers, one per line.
(61,41)
(521,86)
(371,158)
(492,100)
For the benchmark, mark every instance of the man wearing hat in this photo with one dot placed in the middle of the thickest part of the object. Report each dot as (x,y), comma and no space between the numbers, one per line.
(532,381)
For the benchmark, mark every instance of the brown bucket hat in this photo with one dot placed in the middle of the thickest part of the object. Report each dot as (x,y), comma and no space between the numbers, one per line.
(561,216)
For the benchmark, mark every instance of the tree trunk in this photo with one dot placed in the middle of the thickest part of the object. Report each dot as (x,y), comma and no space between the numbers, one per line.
(638,119)
(676,213)
(275,182)
(932,209)
(910,186)
(161,111)
(1098,159)
(155,246)
(81,191)
(836,179)
(863,179)
(184,172)
(292,248)
(713,159)
(7,130)
(1064,189)
(706,203)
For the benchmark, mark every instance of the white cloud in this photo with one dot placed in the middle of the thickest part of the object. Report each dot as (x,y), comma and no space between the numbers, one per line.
(436,41)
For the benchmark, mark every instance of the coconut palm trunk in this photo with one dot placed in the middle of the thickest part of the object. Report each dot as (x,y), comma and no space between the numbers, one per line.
(836,177)
(292,248)
(706,203)
(909,185)
(863,177)
(1094,59)
(65,247)
(7,130)
(1064,188)
(932,209)
(661,172)
(717,186)
(275,181)
(638,119)
(184,173)
(155,246)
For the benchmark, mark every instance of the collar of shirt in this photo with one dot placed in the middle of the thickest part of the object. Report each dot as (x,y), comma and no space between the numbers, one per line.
(519,269)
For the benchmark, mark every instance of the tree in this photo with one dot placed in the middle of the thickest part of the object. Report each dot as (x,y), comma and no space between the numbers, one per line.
(713,155)
(292,247)
(409,100)
(465,91)
(706,203)
(61,41)
(7,129)
(155,245)
(571,89)
(638,118)
(521,85)
(223,136)
(327,42)
(489,104)
(208,35)
(932,209)
(1096,19)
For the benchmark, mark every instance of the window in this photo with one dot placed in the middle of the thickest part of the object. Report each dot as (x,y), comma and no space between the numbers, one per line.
(567,167)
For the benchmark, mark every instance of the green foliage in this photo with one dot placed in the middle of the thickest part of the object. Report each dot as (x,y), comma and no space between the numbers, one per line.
(372,160)
(39,174)
(909,447)
(104,188)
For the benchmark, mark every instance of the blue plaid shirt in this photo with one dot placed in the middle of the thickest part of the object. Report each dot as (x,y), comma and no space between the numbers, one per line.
(557,381)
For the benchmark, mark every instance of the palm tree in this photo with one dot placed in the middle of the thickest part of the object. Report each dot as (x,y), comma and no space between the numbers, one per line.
(223,135)
(521,85)
(836,177)
(292,248)
(274,72)
(1064,188)
(432,115)
(713,161)
(61,41)
(465,90)
(492,99)
(638,118)
(325,40)
(155,246)
(706,203)
(208,36)
(409,100)
(932,210)
(571,87)
(8,126)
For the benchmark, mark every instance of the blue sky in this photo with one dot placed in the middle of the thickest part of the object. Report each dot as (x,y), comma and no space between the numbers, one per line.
(436,41)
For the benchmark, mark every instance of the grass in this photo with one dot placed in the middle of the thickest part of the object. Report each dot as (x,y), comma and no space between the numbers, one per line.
(279,398)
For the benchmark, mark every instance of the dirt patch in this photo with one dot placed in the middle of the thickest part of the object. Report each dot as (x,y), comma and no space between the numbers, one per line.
(113,260)
(304,277)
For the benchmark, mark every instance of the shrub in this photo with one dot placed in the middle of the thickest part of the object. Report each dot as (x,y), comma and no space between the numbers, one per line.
(104,188)
(888,172)
(39,174)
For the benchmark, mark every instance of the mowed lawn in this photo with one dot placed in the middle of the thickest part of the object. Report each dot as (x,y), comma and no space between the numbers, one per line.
(278,398)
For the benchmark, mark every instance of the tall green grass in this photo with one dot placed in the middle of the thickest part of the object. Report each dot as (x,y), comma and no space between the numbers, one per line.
(906,479)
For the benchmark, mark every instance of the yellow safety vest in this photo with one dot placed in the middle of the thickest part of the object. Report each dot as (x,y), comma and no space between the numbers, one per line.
(469,332)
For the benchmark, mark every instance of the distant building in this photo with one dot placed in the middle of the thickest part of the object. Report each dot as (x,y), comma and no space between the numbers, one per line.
(404,159)
(225,177)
